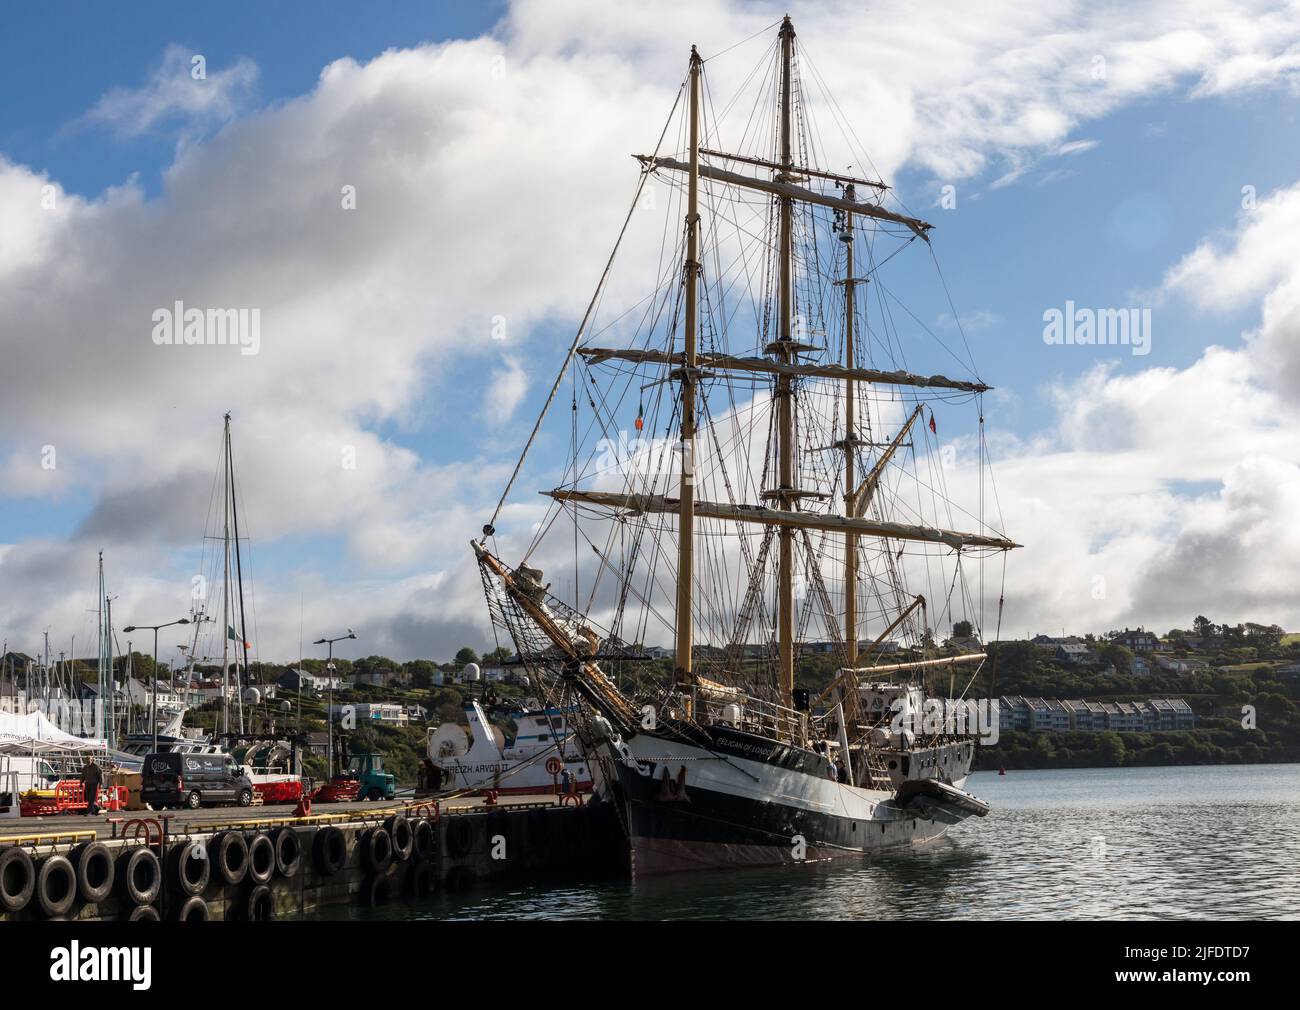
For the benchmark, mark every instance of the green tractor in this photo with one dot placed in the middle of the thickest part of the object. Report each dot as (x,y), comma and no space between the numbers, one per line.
(373,783)
(361,777)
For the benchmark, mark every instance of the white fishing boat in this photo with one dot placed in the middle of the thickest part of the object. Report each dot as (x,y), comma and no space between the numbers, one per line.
(543,758)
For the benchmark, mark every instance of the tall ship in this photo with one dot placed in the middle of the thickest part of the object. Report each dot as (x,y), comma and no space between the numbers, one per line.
(772,597)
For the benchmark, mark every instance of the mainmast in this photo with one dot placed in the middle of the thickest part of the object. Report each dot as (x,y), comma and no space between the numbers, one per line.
(785,350)
(850,447)
(686,495)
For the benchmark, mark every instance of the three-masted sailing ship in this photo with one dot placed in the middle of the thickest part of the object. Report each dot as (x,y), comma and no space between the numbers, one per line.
(787,489)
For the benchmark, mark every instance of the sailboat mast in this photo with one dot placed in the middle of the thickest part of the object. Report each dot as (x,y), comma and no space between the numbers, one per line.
(784,389)
(225,592)
(99,714)
(686,493)
(243,681)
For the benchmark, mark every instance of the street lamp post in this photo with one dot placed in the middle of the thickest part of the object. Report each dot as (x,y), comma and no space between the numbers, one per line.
(155,628)
(329,703)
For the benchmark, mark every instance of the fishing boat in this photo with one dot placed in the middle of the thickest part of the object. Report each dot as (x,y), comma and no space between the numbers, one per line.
(543,758)
(784,514)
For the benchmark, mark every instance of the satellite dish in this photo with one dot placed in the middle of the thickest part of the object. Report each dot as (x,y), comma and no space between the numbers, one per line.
(252,696)
(471,672)
(448,740)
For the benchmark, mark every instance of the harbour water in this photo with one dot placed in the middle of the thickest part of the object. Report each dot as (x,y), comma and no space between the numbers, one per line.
(1219,842)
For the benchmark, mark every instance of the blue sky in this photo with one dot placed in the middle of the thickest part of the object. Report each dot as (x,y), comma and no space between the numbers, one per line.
(1158,170)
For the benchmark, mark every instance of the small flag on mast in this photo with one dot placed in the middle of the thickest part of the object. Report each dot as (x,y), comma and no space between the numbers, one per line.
(640,415)
(933,427)
(230,634)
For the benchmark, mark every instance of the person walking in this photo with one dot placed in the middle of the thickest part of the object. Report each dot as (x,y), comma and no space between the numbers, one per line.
(91,777)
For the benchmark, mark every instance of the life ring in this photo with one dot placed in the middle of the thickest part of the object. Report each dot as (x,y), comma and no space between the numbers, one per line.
(288,851)
(423,840)
(329,850)
(195,909)
(567,799)
(17,879)
(377,850)
(229,854)
(402,837)
(94,865)
(554,766)
(191,868)
(260,906)
(56,886)
(141,875)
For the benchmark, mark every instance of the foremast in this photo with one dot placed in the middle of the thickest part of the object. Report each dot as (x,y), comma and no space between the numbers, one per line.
(683,659)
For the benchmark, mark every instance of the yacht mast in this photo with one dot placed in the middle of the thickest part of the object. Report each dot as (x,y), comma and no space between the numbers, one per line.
(785,350)
(686,494)
(225,592)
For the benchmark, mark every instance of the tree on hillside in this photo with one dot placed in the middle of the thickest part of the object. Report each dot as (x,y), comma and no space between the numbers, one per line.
(466,655)
(1118,656)
(1204,627)
(962,629)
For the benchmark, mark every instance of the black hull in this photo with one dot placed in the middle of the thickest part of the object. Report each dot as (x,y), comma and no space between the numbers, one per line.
(671,831)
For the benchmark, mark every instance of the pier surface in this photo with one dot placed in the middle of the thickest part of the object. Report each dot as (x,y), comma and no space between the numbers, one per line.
(181,820)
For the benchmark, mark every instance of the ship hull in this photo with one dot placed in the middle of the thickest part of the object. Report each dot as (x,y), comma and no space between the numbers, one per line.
(689,807)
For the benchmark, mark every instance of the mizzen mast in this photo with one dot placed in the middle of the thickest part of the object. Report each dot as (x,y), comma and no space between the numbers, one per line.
(684,674)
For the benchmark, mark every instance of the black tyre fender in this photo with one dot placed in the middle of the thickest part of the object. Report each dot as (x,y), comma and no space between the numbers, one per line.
(378,889)
(228,851)
(419,879)
(288,851)
(17,879)
(423,840)
(144,913)
(191,866)
(377,850)
(402,836)
(460,836)
(140,875)
(538,826)
(261,858)
(195,909)
(56,885)
(260,906)
(329,850)
(95,871)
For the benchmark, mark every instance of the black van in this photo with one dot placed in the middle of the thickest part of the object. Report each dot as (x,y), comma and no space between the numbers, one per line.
(193,780)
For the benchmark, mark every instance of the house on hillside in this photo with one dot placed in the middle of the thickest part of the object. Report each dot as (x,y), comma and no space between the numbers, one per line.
(1076,654)
(1138,641)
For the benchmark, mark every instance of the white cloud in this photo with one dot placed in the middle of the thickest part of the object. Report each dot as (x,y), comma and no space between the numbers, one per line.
(179,90)
(489,176)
